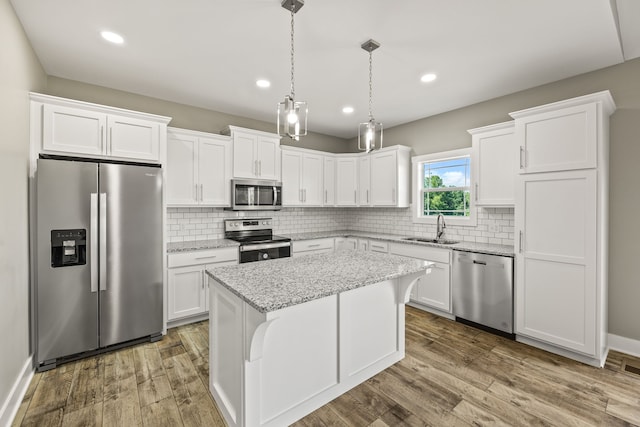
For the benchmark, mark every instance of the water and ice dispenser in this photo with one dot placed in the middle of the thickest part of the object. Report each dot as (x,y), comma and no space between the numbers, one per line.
(68,247)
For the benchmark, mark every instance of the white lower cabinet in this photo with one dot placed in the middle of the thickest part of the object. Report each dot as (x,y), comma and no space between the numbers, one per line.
(187,289)
(346,243)
(314,246)
(432,290)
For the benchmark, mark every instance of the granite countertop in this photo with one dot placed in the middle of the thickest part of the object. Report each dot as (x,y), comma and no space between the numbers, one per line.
(283,282)
(486,248)
(196,245)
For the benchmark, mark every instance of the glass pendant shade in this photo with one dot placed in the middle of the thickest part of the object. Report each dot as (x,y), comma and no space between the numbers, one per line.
(292,118)
(370,136)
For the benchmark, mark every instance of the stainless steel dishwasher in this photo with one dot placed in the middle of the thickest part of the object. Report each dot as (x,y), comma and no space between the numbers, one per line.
(482,287)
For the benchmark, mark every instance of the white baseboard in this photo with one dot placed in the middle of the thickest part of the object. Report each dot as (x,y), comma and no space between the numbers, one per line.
(624,345)
(10,406)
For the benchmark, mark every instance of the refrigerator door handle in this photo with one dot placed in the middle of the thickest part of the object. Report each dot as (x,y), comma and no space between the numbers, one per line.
(103,241)
(93,248)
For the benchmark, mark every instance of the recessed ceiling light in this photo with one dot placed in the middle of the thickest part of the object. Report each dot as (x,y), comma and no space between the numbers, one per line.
(428,78)
(112,37)
(347,110)
(263,83)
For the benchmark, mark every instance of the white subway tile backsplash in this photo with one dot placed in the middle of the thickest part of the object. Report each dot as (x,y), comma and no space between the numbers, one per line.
(495,225)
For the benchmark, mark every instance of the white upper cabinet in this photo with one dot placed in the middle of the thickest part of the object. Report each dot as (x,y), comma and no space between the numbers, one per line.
(494,168)
(256,154)
(563,135)
(391,177)
(302,181)
(329,177)
(64,126)
(198,169)
(346,180)
(364,181)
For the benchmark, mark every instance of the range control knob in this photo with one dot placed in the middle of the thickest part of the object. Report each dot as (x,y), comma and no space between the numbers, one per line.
(265,256)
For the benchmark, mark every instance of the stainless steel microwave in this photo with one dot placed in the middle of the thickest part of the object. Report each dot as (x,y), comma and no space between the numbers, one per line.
(253,195)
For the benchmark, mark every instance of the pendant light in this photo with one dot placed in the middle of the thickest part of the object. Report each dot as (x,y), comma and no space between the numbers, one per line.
(370,132)
(292,114)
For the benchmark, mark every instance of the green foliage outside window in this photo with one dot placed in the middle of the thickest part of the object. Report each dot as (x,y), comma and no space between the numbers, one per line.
(440,197)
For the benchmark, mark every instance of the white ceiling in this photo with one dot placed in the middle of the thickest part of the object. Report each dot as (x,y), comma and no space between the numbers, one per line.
(209,53)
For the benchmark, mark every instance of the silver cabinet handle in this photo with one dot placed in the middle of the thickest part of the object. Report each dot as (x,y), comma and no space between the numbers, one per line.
(305,195)
(202,192)
(103,241)
(367,196)
(255,167)
(522,155)
(355,196)
(259,167)
(476,195)
(195,187)
(314,245)
(93,248)
(110,140)
(203,278)
(101,139)
(325,196)
(520,242)
(206,257)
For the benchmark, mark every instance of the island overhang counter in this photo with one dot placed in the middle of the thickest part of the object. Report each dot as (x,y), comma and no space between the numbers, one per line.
(289,335)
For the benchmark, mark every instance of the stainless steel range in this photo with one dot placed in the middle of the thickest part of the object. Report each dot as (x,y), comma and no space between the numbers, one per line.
(257,242)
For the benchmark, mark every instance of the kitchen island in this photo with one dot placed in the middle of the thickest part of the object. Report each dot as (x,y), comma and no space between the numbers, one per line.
(291,334)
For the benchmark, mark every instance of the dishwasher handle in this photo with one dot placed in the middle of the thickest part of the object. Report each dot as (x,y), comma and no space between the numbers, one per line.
(479,262)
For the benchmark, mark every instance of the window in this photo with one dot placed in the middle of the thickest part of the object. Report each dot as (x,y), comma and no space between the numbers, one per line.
(443,186)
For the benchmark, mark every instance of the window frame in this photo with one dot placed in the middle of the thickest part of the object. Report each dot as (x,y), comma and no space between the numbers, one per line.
(418,180)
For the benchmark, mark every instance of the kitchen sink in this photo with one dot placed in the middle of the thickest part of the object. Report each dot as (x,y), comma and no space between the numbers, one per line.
(438,241)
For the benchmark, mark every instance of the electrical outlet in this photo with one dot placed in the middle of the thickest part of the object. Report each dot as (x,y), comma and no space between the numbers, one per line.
(494,228)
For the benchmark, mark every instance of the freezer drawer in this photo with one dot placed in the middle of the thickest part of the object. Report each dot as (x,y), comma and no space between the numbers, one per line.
(482,287)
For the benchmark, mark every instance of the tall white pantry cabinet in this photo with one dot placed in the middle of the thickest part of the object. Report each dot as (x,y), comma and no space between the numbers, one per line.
(561,226)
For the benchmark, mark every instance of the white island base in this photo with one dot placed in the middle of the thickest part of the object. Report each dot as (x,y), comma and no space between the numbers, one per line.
(273,368)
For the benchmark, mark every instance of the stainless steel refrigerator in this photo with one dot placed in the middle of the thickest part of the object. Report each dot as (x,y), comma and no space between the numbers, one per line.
(99,257)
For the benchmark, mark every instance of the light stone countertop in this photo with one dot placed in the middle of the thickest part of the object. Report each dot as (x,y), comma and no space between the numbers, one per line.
(283,282)
(486,248)
(196,245)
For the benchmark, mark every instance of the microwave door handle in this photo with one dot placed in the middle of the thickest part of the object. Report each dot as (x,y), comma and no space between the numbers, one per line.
(275,196)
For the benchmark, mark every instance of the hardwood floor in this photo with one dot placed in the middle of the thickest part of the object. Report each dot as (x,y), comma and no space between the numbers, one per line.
(452,375)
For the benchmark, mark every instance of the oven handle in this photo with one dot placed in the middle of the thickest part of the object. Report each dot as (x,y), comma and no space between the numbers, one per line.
(245,248)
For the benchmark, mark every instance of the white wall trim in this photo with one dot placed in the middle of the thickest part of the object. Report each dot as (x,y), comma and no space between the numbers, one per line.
(11,405)
(624,345)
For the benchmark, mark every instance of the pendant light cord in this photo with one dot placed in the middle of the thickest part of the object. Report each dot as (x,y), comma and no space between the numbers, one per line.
(370,85)
(293,12)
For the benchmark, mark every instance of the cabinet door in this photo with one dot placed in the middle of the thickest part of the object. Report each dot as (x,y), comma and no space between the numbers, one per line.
(73,130)
(214,172)
(434,289)
(329,177)
(133,138)
(364,181)
(495,170)
(556,259)
(312,182)
(384,178)
(187,295)
(268,156)
(291,178)
(346,181)
(245,164)
(182,155)
(346,243)
(564,139)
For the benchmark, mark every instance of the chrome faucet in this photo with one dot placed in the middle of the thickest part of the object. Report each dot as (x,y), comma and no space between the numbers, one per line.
(440,228)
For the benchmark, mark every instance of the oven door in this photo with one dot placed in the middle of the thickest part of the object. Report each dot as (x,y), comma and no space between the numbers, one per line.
(264,251)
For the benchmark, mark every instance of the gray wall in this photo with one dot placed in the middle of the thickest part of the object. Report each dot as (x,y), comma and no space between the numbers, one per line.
(447,131)
(184,116)
(20,72)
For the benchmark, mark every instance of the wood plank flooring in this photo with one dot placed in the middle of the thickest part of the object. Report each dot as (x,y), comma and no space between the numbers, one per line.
(452,375)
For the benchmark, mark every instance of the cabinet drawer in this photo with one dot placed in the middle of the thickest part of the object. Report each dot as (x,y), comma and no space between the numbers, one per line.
(378,246)
(207,256)
(312,245)
(422,252)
